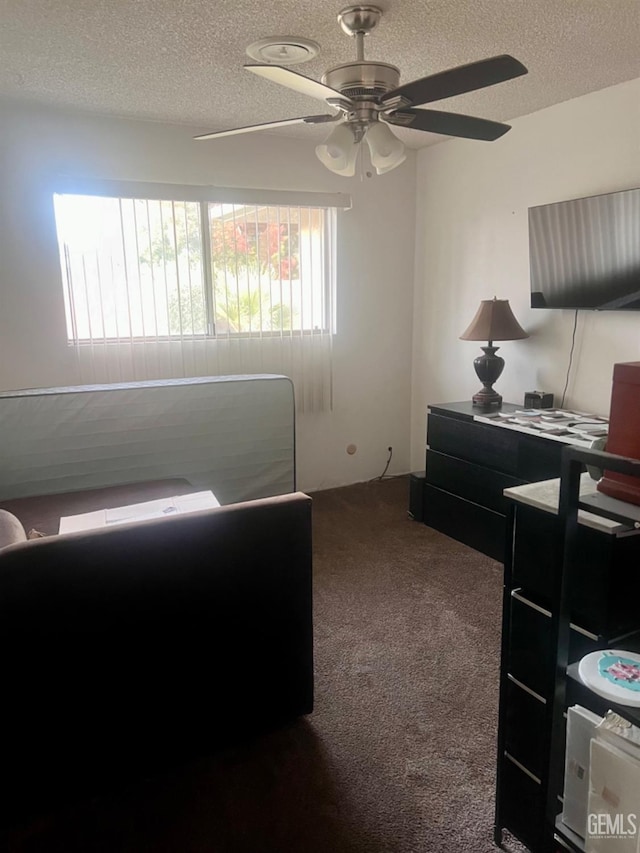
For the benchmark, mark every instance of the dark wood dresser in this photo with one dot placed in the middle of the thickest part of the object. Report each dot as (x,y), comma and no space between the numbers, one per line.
(469,464)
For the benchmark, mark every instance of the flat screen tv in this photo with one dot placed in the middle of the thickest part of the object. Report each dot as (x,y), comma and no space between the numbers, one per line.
(585,253)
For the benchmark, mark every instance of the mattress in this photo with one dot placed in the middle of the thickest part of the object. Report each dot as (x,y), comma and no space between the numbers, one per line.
(234,435)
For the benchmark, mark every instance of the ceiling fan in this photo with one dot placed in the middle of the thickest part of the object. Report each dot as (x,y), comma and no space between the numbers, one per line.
(368,98)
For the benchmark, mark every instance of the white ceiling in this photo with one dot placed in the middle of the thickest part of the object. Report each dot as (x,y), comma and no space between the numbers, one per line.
(181,60)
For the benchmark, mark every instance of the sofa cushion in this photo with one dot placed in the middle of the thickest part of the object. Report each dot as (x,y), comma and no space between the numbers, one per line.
(11,530)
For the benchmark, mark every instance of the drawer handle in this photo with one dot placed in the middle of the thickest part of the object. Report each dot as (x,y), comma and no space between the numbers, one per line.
(523,768)
(584,632)
(515,594)
(527,689)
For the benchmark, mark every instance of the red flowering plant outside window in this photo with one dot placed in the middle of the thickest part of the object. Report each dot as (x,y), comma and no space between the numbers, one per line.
(255,259)
(270,247)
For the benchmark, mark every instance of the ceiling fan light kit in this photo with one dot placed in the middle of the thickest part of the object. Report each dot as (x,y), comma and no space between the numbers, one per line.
(368,100)
(386,150)
(339,151)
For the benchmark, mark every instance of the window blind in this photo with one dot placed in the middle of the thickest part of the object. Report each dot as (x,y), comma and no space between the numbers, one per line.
(190,285)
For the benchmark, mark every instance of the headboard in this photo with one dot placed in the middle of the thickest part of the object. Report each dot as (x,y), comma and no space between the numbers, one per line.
(234,435)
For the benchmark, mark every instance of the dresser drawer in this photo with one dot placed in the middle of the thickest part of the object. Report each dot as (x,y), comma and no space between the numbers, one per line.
(521,802)
(473,482)
(483,444)
(529,657)
(538,458)
(535,550)
(465,521)
(595,601)
(530,654)
(525,726)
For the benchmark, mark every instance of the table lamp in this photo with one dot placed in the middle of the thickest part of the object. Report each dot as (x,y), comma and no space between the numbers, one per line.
(494,321)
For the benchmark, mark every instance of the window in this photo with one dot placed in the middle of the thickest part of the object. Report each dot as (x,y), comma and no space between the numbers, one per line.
(162,281)
(152,269)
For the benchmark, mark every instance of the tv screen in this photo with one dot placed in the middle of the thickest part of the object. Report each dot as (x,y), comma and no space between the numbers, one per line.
(585,253)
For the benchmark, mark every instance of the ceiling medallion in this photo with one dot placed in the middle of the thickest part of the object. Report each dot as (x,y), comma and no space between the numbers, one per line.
(283,50)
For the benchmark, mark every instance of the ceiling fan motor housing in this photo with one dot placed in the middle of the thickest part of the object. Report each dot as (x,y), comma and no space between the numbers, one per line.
(362,79)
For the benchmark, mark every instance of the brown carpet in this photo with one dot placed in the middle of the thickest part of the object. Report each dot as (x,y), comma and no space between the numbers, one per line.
(398,756)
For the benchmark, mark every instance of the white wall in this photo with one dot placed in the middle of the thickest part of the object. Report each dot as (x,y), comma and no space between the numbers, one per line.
(472,244)
(372,350)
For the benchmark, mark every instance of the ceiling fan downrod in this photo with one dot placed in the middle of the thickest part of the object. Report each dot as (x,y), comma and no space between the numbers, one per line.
(359,21)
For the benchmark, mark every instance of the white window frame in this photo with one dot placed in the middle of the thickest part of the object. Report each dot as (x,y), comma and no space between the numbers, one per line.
(205,196)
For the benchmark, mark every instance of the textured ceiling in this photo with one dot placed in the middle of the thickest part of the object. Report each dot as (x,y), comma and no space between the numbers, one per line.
(181,60)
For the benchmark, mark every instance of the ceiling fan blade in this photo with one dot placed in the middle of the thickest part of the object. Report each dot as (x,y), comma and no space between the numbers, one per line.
(250,128)
(456,81)
(449,124)
(297,82)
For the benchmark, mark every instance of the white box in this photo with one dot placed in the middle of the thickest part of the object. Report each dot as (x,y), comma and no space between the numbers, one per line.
(614,800)
(581,725)
(178,505)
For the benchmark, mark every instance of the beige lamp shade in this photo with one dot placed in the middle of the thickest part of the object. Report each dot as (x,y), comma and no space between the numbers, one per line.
(494,321)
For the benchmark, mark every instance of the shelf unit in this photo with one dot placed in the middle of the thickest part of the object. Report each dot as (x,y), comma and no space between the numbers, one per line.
(549,624)
(568,687)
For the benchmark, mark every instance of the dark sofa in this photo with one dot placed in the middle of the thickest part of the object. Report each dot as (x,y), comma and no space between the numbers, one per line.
(129,648)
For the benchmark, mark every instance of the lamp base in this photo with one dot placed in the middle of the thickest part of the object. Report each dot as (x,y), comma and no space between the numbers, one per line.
(488,369)
(487,398)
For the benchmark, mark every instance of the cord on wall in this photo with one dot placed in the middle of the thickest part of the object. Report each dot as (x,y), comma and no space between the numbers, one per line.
(386,468)
(573,343)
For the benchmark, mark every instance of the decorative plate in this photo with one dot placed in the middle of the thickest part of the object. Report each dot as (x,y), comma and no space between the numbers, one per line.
(613,674)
